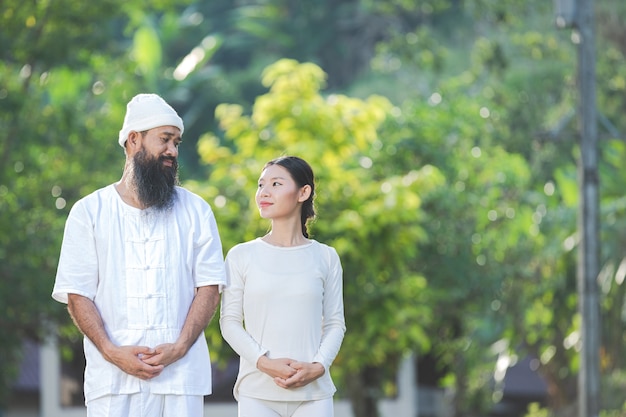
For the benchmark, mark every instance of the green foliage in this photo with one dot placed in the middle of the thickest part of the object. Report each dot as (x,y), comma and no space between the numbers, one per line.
(449,188)
(611,398)
(63,89)
(368,209)
(512,244)
(535,410)
(478,223)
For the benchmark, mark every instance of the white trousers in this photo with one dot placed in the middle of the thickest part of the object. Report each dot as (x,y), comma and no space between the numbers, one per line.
(254,407)
(145,404)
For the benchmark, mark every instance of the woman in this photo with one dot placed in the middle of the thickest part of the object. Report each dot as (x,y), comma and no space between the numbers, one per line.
(283,309)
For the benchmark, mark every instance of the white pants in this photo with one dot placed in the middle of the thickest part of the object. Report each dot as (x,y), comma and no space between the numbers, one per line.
(144,404)
(253,407)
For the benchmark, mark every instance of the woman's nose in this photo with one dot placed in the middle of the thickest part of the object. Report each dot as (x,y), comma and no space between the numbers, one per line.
(262,191)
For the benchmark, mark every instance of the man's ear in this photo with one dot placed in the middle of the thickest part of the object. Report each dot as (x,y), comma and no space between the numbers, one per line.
(133,140)
(305,193)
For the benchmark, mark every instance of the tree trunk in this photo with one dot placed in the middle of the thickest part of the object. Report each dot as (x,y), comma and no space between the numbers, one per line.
(460,395)
(362,391)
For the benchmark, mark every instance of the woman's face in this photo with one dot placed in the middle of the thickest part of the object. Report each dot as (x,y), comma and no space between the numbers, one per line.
(278,195)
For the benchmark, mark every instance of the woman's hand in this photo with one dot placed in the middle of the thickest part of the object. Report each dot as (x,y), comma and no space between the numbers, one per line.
(305,374)
(276,368)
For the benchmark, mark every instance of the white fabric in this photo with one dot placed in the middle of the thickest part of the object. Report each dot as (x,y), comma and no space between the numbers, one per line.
(145,112)
(291,301)
(145,404)
(253,407)
(141,268)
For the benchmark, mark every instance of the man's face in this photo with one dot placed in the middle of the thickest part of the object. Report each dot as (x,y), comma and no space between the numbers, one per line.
(155,167)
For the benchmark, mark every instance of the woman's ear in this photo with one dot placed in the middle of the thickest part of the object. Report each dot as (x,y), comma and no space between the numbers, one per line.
(305,193)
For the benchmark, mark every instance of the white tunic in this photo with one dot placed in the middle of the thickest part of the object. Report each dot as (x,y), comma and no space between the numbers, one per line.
(291,301)
(141,268)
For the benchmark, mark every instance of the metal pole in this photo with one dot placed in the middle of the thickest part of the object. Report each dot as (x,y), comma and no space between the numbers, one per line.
(588,252)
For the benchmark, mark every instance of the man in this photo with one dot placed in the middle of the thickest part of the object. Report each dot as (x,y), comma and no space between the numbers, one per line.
(140,268)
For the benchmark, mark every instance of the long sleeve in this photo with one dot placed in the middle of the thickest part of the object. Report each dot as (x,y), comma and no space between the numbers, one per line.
(283,302)
(231,313)
(334,326)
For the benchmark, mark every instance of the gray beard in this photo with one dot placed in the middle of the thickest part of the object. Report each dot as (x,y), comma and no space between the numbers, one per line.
(154,182)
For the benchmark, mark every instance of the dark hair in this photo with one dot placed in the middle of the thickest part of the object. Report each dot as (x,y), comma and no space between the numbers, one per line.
(302,174)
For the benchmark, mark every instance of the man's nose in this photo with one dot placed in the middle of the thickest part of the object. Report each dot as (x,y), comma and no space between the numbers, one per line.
(172,149)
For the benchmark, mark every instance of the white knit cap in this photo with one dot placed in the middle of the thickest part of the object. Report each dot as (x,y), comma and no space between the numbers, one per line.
(147,111)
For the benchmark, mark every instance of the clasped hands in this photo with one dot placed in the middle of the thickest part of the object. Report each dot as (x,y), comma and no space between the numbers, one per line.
(144,362)
(289,373)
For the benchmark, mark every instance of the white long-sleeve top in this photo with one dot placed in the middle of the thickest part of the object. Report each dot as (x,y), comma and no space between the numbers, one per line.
(141,269)
(283,302)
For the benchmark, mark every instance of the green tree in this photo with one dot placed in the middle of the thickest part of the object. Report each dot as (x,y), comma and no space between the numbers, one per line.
(368,210)
(63,91)
(49,104)
(521,78)
(492,235)
(527,82)
(477,225)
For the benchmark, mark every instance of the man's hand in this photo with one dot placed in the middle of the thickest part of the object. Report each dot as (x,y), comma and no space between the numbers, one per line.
(128,358)
(132,360)
(305,374)
(164,354)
